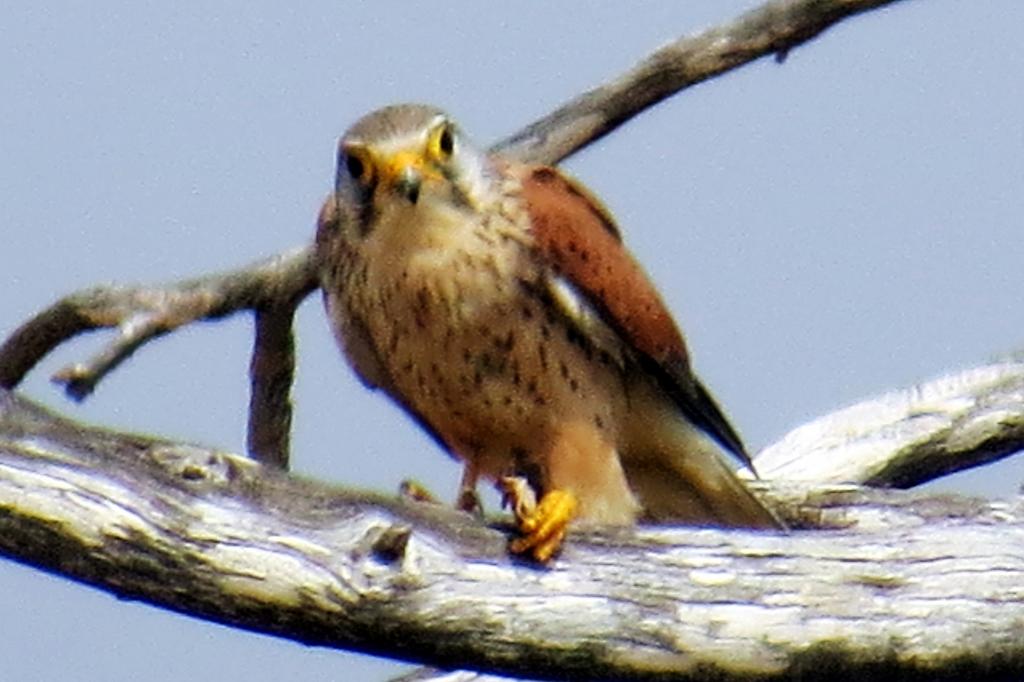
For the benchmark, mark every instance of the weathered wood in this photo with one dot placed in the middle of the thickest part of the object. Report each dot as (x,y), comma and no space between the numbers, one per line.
(908,437)
(869,581)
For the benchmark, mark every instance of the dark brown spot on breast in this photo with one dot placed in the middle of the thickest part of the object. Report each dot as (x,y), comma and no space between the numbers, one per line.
(506,343)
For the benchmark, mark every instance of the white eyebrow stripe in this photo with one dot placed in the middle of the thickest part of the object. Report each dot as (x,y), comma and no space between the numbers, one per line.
(410,140)
(395,141)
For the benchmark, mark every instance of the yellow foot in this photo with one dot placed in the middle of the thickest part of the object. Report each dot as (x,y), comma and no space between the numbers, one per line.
(416,492)
(542,524)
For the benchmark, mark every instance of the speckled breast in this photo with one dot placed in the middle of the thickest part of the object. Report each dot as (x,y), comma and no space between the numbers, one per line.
(472,345)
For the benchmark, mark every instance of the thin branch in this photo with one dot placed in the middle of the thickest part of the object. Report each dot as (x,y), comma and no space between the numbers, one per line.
(773,28)
(142,313)
(271,374)
(890,590)
(272,288)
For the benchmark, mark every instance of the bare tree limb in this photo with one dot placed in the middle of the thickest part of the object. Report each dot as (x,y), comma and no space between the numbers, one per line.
(143,313)
(272,288)
(271,374)
(773,28)
(905,438)
(893,588)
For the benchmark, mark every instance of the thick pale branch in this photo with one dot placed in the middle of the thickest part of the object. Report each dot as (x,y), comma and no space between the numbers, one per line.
(909,437)
(892,587)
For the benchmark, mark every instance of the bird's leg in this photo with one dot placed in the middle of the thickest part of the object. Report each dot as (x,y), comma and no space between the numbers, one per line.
(517,493)
(578,472)
(468,499)
(543,524)
(416,492)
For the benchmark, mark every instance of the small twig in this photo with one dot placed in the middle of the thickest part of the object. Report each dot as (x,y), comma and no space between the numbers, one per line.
(271,373)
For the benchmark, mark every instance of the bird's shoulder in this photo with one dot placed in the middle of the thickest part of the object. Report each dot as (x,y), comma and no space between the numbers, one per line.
(578,239)
(598,284)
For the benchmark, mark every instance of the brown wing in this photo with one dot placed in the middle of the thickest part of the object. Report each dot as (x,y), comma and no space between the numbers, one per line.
(578,237)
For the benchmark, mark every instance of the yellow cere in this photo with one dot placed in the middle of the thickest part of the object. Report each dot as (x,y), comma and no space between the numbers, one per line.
(398,162)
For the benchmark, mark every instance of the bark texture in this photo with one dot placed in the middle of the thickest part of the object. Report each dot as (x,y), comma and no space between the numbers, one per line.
(868,581)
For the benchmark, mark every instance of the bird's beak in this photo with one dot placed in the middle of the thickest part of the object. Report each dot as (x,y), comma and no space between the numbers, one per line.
(404,172)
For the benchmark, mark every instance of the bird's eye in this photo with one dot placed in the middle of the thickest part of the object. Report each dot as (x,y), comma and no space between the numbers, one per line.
(358,162)
(356,167)
(446,142)
(442,144)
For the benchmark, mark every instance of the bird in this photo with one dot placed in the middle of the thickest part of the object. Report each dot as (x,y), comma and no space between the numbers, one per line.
(496,302)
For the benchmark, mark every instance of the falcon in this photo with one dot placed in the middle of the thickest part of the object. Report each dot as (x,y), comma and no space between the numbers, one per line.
(497,304)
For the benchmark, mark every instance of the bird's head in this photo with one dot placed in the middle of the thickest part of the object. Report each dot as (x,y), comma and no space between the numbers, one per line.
(404,160)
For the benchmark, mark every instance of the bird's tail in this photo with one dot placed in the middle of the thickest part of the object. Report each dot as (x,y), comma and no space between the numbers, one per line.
(678,473)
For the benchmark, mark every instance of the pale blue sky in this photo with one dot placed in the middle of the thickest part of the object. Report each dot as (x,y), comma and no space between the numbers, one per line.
(826,229)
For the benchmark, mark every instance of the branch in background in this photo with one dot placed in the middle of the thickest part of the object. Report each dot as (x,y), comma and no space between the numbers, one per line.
(271,374)
(890,590)
(141,314)
(906,438)
(272,288)
(773,28)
